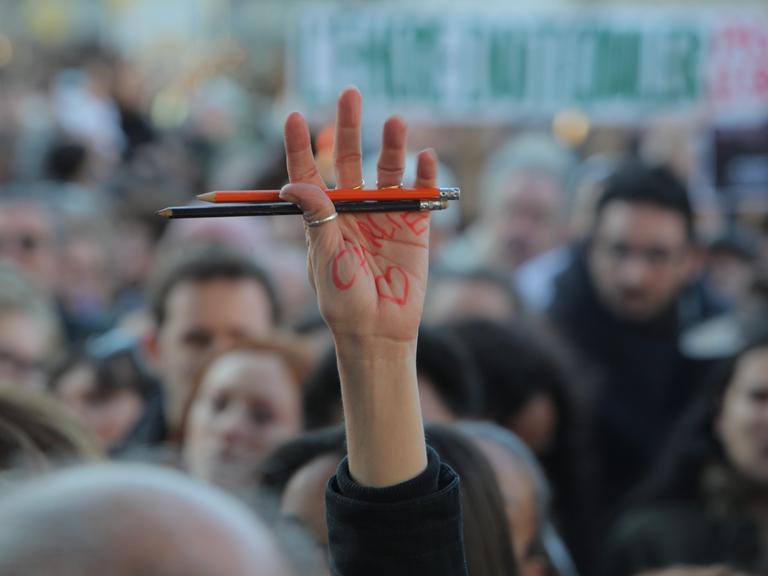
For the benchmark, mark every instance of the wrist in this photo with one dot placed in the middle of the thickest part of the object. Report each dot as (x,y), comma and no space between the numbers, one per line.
(356,349)
(385,432)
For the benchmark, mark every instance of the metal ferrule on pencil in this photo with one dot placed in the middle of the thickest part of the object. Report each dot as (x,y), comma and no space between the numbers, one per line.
(441,204)
(450,193)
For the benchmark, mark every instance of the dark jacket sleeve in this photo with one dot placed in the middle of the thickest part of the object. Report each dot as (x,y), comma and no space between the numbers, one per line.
(413,528)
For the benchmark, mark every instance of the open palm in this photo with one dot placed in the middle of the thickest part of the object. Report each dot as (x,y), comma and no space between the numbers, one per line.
(369,270)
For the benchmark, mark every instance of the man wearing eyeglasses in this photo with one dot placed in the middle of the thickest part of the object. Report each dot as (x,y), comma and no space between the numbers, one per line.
(29,331)
(622,304)
(27,238)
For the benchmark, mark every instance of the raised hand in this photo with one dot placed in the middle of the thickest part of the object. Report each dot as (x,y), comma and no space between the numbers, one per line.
(370,275)
(369,270)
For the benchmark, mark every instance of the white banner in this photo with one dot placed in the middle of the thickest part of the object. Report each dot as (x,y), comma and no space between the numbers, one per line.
(483,64)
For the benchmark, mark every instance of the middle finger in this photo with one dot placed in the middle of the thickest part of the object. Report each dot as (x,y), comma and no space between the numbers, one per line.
(347,148)
(392,158)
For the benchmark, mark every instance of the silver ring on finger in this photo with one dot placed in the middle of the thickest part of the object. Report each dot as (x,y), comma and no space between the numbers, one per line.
(321,221)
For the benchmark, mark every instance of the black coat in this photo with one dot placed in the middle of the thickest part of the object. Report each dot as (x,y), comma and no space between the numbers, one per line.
(682,534)
(412,529)
(640,381)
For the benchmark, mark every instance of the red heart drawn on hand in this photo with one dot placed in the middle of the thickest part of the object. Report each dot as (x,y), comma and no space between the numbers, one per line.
(393,285)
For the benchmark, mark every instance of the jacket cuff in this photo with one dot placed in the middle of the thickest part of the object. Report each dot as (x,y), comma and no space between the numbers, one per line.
(422,485)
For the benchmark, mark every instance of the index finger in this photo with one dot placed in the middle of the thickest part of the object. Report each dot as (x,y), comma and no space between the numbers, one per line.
(298,152)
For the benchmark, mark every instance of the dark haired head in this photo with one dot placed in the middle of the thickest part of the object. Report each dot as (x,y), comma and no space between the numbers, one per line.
(205,264)
(439,358)
(277,469)
(486,531)
(695,444)
(515,365)
(479,292)
(487,535)
(637,183)
(117,365)
(66,160)
(518,363)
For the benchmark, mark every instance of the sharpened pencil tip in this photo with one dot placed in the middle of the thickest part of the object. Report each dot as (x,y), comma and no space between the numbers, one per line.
(165,212)
(207,197)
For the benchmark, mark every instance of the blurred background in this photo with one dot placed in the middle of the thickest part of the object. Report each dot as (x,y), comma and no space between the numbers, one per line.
(113,109)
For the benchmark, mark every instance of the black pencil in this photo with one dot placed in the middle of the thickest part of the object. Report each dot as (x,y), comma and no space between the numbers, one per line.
(284,208)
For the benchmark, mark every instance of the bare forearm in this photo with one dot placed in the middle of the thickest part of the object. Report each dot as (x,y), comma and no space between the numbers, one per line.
(385,432)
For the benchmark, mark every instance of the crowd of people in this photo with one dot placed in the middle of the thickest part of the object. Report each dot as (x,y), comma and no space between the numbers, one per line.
(581,387)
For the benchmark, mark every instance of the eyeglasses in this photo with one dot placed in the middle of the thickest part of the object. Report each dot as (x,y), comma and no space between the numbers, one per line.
(15,364)
(21,370)
(655,256)
(23,242)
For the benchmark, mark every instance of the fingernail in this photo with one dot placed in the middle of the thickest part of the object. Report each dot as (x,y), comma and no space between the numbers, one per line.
(285,194)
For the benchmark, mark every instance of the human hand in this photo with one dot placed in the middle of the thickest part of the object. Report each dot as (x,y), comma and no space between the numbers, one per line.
(369,270)
(370,275)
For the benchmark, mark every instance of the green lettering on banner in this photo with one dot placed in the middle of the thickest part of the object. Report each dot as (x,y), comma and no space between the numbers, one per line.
(689,65)
(467,66)
(507,63)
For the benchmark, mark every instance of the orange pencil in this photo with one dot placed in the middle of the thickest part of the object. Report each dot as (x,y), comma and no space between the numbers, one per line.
(337,195)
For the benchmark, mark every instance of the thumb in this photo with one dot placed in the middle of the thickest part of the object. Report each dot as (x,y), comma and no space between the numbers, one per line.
(316,206)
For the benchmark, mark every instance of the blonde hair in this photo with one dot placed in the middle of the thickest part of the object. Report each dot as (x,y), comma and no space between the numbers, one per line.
(36,432)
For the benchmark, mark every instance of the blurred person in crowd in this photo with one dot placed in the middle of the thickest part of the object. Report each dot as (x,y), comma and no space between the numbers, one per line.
(535,279)
(86,280)
(129,519)
(29,235)
(154,176)
(477,293)
(448,383)
(83,106)
(527,500)
(297,472)
(704,504)
(245,402)
(63,247)
(106,387)
(68,184)
(129,92)
(494,535)
(622,304)
(285,263)
(530,391)
(729,268)
(523,206)
(203,300)
(30,331)
(36,434)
